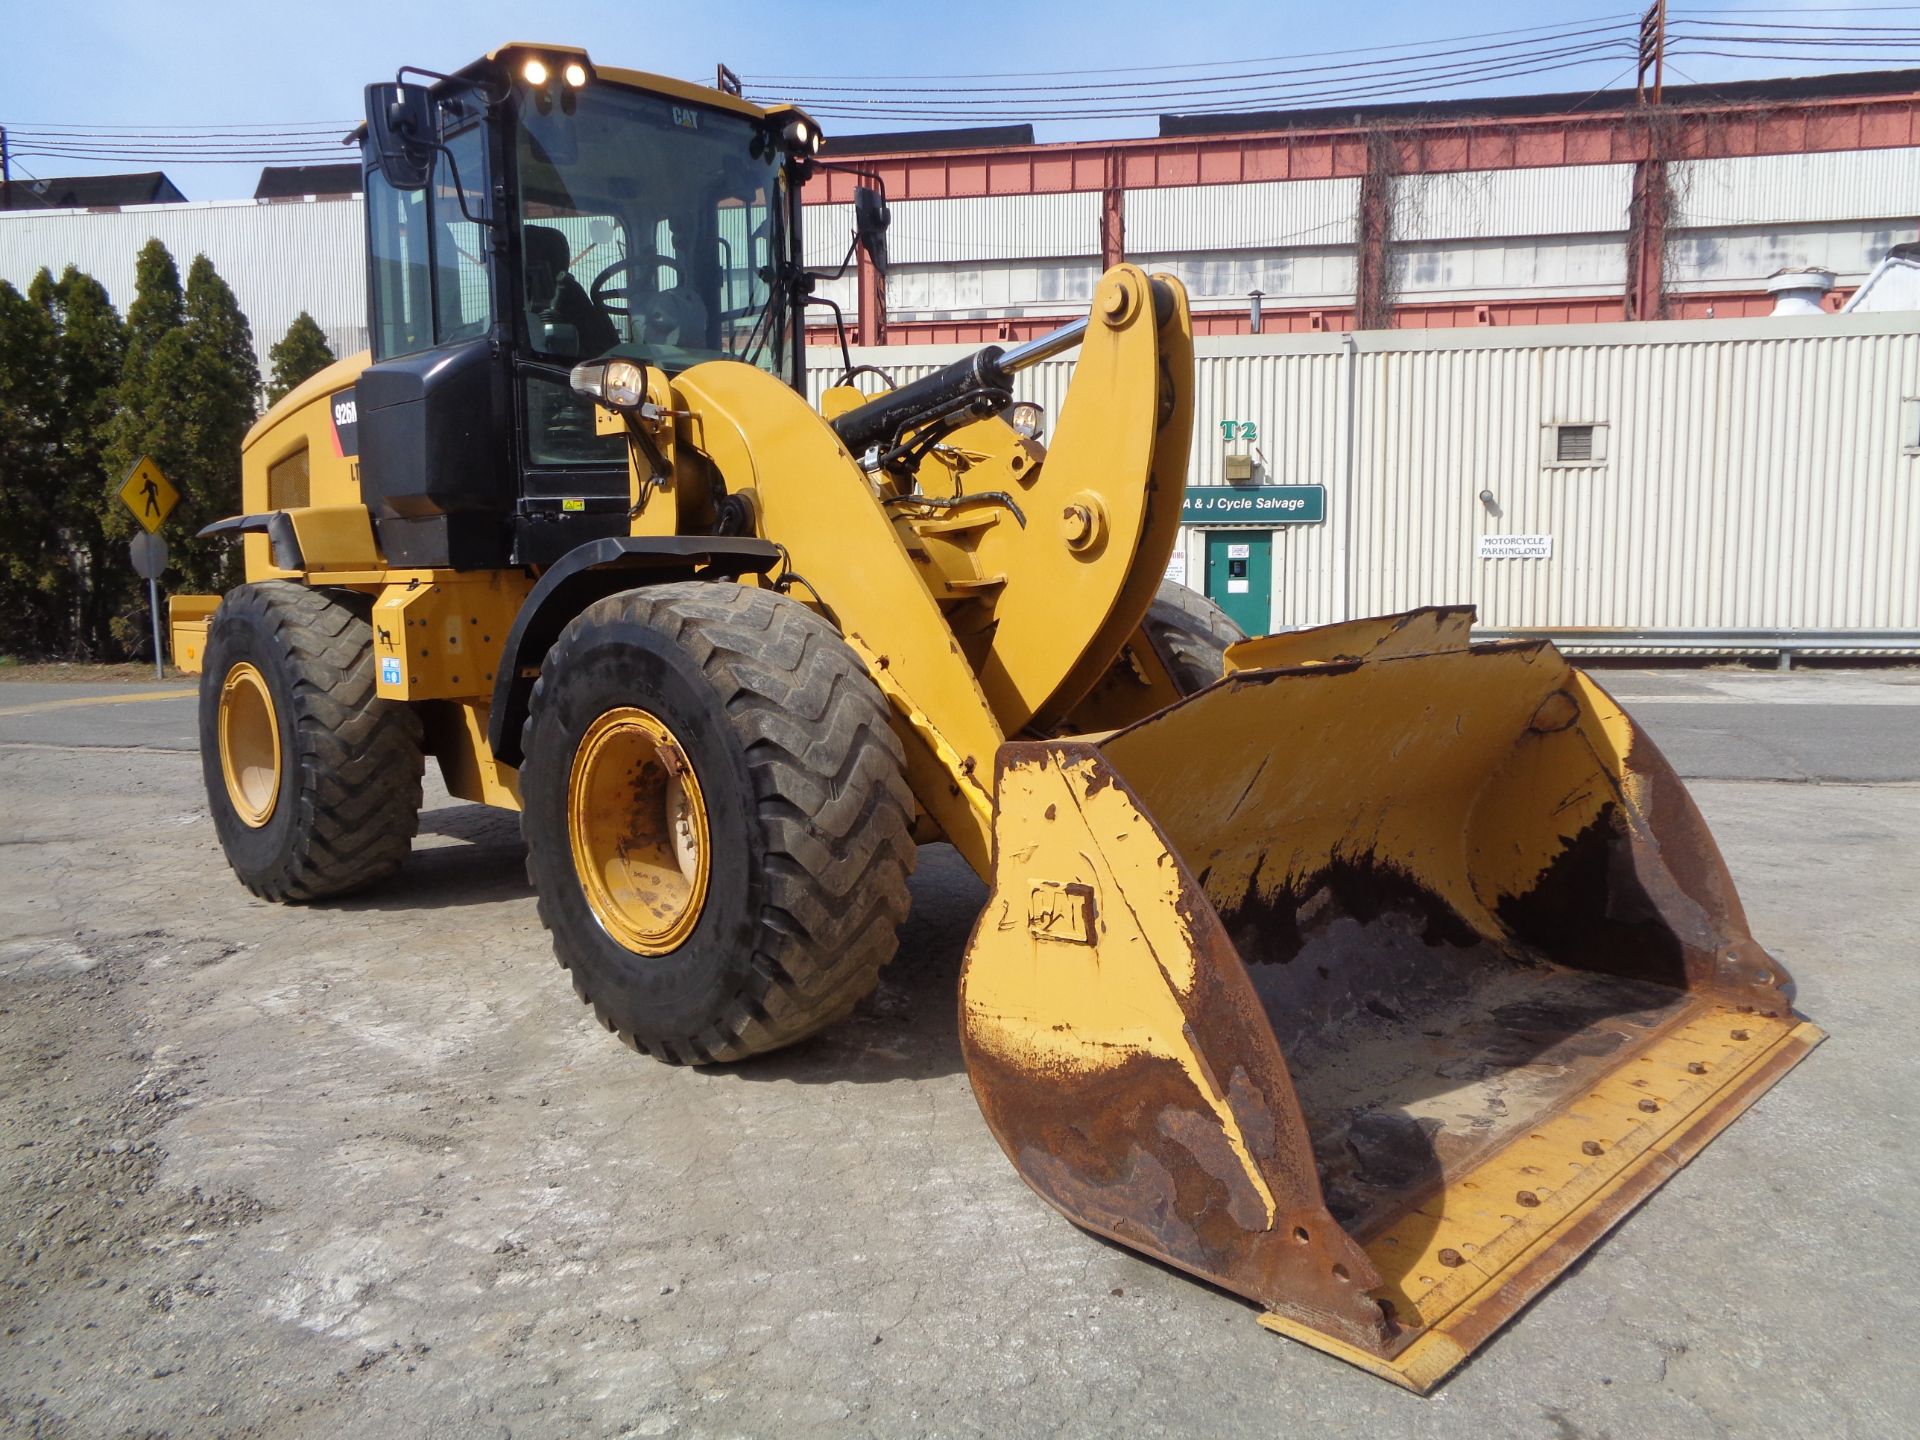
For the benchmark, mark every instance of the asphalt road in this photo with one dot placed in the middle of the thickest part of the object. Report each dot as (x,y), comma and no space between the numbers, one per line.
(369,1169)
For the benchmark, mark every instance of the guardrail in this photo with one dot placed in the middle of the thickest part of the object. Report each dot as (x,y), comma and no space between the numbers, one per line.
(1783,645)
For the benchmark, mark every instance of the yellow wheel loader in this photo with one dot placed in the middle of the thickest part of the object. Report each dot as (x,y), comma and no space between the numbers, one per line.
(1367,972)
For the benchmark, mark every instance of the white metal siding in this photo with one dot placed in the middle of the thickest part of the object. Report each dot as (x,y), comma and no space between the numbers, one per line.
(1786,189)
(1507,268)
(994,227)
(1303,276)
(1714,259)
(1755,474)
(1551,200)
(280,259)
(826,232)
(990,290)
(1263,215)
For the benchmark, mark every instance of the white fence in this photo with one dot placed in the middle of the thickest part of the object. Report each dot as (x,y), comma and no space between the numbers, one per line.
(1751,475)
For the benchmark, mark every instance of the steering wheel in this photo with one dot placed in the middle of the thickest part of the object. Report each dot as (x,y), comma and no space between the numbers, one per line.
(605,297)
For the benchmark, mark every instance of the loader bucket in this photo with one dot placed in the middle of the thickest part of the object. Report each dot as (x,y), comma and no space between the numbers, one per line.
(1374,983)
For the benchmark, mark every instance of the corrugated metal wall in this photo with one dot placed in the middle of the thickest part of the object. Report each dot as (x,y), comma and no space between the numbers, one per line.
(994,227)
(1758,474)
(1790,189)
(280,259)
(1470,204)
(1259,216)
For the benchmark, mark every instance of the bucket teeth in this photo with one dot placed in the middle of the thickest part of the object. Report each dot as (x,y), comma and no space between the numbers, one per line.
(1327,983)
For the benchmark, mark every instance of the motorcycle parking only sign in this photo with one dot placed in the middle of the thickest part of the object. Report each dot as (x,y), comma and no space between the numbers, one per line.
(1514,547)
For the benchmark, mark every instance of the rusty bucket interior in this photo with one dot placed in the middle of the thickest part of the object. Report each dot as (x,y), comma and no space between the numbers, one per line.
(1374,983)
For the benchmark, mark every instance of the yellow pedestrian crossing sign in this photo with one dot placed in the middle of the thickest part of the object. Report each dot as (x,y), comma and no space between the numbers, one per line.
(148,495)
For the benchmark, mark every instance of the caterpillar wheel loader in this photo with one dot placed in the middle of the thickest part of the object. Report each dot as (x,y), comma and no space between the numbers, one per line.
(1368,972)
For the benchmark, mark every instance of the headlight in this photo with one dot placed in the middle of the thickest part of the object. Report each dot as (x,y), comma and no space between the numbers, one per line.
(534,72)
(575,74)
(803,137)
(1027,419)
(616,384)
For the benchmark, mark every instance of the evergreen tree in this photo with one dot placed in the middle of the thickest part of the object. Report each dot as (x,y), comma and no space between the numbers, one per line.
(188,392)
(142,420)
(303,352)
(212,370)
(34,576)
(147,405)
(90,341)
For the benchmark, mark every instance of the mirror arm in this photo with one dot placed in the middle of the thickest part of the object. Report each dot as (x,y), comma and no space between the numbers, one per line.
(839,326)
(459,190)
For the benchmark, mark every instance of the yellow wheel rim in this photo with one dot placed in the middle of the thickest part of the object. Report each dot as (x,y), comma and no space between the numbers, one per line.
(249,745)
(638,826)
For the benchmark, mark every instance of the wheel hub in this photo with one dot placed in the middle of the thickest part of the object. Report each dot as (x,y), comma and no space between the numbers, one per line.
(249,745)
(637,823)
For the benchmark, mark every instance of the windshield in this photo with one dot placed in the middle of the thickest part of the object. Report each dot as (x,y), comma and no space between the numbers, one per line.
(650,229)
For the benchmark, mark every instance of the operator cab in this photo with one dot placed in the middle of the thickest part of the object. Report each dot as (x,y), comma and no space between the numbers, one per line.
(524,215)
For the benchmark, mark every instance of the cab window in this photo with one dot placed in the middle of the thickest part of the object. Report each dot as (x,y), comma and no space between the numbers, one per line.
(463,306)
(429,261)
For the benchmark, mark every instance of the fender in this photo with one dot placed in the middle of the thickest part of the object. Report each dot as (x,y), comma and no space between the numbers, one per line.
(592,572)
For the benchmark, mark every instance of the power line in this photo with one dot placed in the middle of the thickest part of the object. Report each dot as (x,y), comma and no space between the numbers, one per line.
(1445,69)
(1279,97)
(1423,49)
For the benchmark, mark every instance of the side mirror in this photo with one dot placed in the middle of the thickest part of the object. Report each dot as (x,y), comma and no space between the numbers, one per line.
(871,217)
(401,133)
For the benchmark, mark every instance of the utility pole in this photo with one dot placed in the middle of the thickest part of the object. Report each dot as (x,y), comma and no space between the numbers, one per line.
(6,172)
(1647,214)
(1653,52)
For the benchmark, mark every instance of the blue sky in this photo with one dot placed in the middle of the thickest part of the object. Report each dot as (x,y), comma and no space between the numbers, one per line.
(110,62)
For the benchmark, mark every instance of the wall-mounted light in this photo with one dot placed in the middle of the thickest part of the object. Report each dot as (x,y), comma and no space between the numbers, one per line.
(1493,505)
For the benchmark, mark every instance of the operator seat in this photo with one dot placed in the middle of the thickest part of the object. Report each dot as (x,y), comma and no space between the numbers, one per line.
(553,293)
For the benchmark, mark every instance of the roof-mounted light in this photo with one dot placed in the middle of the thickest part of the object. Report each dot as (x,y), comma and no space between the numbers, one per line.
(534,71)
(575,74)
(803,137)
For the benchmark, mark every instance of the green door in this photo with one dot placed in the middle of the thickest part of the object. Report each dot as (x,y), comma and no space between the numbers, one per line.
(1240,576)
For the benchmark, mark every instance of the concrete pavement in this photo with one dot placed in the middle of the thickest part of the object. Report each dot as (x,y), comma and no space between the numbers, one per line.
(369,1169)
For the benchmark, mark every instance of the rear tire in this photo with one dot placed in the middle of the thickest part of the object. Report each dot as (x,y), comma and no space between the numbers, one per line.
(803,808)
(1191,635)
(332,798)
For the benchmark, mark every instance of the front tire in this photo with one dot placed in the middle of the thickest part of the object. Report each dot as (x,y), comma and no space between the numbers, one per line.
(716,816)
(1191,635)
(312,779)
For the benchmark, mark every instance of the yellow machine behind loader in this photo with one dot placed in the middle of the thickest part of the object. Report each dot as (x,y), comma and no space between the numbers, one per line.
(1366,971)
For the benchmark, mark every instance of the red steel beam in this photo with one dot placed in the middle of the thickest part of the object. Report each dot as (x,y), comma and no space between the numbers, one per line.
(1788,127)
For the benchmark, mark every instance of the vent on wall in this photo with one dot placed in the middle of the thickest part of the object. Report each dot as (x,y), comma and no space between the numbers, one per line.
(1577,444)
(287,482)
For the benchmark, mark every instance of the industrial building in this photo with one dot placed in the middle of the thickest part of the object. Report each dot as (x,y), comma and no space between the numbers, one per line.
(1732,487)
(1715,482)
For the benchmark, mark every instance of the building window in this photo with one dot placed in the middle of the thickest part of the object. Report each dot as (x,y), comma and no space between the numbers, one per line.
(1576,445)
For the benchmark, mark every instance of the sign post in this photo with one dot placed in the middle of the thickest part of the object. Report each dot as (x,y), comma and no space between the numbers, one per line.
(147,493)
